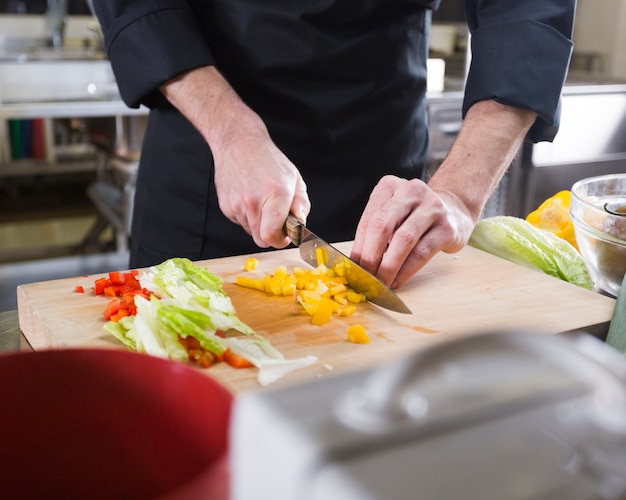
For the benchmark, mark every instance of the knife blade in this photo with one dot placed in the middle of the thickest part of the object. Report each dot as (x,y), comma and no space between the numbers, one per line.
(358,278)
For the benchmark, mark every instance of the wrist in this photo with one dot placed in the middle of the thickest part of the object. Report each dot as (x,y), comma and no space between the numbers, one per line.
(487,144)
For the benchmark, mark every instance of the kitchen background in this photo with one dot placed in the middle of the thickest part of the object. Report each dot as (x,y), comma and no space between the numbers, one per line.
(69,147)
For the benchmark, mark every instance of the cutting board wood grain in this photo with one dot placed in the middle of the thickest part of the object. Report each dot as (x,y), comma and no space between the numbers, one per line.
(454,295)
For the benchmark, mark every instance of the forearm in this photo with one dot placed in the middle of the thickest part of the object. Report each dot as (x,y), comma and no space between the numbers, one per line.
(208,101)
(489,139)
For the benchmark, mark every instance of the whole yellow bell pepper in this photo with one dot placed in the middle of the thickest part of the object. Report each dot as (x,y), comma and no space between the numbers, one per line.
(553,215)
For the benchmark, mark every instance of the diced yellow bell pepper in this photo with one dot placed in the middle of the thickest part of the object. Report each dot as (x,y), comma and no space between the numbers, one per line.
(340,298)
(357,335)
(276,285)
(254,283)
(250,264)
(340,269)
(289,288)
(553,215)
(335,289)
(267,283)
(322,291)
(321,256)
(308,307)
(355,297)
(320,270)
(324,311)
(310,297)
(281,271)
(347,310)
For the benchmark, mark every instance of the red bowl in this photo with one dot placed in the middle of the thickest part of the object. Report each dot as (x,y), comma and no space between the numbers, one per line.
(99,423)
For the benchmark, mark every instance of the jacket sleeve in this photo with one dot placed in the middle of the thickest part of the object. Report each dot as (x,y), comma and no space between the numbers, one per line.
(148,43)
(520,55)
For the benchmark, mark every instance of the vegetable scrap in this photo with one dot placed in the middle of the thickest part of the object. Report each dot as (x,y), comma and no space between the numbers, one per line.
(321,291)
(250,264)
(79,289)
(358,335)
(180,311)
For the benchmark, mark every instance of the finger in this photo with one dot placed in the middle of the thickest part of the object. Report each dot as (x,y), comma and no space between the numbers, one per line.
(301,205)
(406,255)
(384,213)
(246,227)
(243,222)
(249,217)
(274,213)
(414,214)
(379,194)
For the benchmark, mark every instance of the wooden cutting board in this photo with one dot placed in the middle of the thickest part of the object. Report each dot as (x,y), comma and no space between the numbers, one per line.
(462,294)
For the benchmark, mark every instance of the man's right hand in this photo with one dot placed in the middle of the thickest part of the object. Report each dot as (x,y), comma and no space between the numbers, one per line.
(257,185)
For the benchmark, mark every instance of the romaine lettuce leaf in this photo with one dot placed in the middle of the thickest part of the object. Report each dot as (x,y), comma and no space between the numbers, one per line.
(517,240)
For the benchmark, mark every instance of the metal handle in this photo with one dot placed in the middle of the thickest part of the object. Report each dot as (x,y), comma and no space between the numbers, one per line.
(400,393)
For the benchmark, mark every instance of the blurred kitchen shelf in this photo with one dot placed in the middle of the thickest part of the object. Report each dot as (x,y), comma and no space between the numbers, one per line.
(42,197)
(44,223)
(22,168)
(48,217)
(28,240)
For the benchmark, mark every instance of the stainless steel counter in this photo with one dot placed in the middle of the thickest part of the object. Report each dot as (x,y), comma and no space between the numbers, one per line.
(63,109)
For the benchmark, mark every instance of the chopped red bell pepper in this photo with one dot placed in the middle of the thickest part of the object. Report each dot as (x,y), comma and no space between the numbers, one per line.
(122,287)
(117,277)
(100,284)
(235,360)
(113,307)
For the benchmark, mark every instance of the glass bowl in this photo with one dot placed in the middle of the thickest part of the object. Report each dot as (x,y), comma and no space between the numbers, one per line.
(598,212)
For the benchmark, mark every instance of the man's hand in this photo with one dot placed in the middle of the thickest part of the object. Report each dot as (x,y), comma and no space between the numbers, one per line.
(257,184)
(406,223)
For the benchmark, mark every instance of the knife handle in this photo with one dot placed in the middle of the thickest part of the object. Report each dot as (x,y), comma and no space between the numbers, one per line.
(293,229)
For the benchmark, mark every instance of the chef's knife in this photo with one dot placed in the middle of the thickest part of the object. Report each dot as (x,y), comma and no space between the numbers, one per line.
(358,278)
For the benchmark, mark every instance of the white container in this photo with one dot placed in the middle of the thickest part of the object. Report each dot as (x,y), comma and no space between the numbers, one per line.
(436,73)
(497,416)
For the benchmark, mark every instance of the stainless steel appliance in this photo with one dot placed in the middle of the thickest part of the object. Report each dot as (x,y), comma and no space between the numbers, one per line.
(492,416)
(591,141)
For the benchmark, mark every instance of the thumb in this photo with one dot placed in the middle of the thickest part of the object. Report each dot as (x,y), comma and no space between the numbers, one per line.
(301,205)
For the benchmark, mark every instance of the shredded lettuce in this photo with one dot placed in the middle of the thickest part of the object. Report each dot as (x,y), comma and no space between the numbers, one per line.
(144,333)
(517,240)
(193,303)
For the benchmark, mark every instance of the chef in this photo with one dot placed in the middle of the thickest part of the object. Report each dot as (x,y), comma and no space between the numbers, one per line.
(259,108)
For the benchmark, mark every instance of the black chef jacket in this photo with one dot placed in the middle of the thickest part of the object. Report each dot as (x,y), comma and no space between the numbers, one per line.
(340,85)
